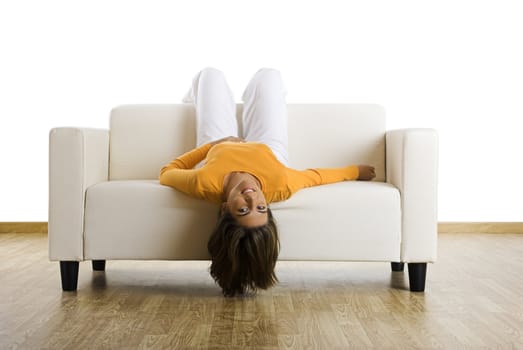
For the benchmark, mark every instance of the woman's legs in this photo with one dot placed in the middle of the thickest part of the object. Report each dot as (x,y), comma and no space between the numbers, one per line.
(215,106)
(265,112)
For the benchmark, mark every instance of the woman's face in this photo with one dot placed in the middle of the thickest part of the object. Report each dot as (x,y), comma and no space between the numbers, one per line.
(245,200)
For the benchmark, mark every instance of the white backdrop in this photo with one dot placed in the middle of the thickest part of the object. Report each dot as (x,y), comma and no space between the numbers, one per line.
(452,65)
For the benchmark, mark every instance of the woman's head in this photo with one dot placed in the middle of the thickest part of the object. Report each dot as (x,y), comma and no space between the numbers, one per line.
(243,258)
(244,200)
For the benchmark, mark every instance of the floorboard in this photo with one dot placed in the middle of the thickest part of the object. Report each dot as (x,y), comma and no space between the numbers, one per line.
(473,299)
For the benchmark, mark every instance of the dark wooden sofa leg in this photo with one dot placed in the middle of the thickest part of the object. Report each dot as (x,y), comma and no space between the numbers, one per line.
(397,266)
(417,276)
(99,265)
(69,274)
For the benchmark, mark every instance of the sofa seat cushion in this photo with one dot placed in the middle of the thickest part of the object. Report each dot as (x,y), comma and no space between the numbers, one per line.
(355,220)
(141,219)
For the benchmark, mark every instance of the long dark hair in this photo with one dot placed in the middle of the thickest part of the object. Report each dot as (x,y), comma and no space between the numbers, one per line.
(243,258)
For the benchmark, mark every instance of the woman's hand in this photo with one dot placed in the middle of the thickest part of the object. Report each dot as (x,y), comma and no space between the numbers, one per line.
(366,172)
(227,139)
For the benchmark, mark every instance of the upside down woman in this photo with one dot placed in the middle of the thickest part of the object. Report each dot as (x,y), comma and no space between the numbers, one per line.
(243,171)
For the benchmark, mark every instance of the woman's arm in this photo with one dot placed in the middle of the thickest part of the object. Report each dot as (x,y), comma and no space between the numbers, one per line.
(228,139)
(323,176)
(366,172)
(180,174)
(188,160)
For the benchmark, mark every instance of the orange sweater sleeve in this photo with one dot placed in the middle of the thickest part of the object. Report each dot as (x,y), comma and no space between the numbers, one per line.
(179,173)
(188,160)
(316,177)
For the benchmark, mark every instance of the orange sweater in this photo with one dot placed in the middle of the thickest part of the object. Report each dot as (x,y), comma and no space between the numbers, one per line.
(277,181)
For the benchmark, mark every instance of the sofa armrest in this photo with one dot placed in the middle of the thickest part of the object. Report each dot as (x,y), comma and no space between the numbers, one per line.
(412,166)
(78,158)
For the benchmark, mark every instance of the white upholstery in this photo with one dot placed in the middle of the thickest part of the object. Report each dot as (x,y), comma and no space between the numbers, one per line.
(146,137)
(167,224)
(78,159)
(359,221)
(122,216)
(412,167)
(106,202)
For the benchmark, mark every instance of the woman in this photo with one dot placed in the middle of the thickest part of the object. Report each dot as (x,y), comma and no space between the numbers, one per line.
(244,174)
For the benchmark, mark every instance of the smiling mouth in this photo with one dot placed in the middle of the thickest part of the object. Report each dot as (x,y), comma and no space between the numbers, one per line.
(248,190)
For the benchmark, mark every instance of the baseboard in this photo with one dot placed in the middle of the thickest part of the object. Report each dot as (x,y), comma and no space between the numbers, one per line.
(443,227)
(23,227)
(480,227)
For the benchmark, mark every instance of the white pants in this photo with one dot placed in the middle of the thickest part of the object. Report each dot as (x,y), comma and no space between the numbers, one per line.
(264,117)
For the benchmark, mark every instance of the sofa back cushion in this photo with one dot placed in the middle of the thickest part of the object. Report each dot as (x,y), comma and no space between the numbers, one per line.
(146,137)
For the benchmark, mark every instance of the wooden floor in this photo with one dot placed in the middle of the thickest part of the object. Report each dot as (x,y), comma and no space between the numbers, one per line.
(474,299)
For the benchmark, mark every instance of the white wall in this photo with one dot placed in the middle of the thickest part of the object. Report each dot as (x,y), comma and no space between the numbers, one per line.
(452,65)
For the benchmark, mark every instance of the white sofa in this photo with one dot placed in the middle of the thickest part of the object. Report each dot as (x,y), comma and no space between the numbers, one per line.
(106,202)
